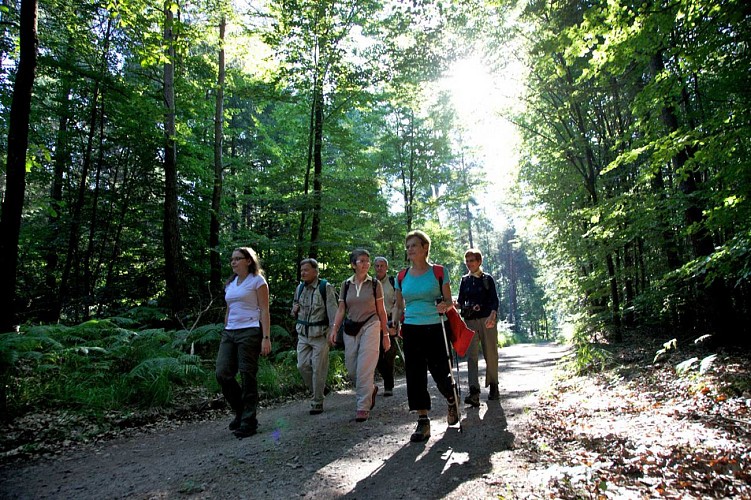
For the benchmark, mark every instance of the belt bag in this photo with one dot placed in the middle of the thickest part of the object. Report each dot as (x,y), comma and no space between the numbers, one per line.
(353,327)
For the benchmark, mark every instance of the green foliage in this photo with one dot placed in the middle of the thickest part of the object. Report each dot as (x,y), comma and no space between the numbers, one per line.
(96,365)
(587,356)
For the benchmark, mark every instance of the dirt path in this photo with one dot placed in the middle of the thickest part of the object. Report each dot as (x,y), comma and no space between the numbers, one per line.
(323,456)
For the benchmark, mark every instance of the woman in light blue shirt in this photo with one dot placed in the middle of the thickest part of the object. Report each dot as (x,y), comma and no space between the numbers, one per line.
(425,299)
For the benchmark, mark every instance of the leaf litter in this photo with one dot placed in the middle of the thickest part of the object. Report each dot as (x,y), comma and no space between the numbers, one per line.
(644,429)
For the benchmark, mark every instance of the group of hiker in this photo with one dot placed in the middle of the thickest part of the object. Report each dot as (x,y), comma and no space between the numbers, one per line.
(369,316)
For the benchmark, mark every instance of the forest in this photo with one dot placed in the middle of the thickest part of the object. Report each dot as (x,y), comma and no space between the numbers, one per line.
(146,140)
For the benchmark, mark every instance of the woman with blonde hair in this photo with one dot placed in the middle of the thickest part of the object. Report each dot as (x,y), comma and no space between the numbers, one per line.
(246,335)
(425,298)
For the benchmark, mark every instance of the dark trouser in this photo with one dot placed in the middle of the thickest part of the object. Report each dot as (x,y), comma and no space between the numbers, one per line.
(425,350)
(386,364)
(239,351)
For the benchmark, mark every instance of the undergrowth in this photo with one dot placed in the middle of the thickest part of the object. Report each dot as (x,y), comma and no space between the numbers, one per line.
(113,364)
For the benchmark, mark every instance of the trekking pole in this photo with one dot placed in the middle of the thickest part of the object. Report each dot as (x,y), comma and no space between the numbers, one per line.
(399,346)
(448,358)
(458,378)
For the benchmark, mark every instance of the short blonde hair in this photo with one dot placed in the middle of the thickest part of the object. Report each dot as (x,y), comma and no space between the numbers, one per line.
(419,235)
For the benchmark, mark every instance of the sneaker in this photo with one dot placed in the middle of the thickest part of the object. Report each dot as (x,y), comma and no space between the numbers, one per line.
(387,393)
(316,409)
(362,415)
(452,417)
(372,398)
(474,397)
(494,394)
(422,432)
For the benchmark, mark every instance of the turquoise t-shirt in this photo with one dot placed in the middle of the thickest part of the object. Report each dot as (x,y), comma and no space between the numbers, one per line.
(419,296)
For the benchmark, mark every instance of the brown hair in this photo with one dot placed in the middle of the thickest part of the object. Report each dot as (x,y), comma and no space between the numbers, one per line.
(474,253)
(357,253)
(254,265)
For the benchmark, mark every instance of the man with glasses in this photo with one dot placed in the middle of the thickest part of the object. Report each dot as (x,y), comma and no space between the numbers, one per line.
(478,303)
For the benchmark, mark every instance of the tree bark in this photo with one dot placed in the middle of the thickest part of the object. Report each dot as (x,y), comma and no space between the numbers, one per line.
(51,304)
(18,143)
(215,278)
(315,223)
(171,229)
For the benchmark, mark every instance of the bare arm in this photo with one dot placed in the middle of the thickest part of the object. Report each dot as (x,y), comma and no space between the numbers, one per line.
(337,322)
(263,304)
(381,310)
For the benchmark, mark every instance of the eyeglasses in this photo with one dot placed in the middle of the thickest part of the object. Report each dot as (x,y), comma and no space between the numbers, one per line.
(235,259)
(362,262)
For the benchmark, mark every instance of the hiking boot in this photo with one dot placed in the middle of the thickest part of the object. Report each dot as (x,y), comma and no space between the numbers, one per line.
(235,424)
(452,417)
(422,432)
(245,431)
(362,415)
(494,394)
(474,397)
(316,409)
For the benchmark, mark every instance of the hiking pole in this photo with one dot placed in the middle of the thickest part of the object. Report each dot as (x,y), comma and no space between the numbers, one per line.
(438,300)
(458,378)
(399,346)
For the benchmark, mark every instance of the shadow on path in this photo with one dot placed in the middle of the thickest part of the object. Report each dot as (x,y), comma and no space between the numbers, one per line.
(434,469)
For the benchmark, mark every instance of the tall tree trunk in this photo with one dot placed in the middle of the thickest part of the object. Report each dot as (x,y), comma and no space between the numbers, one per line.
(91,267)
(73,260)
(171,230)
(15,190)
(301,245)
(614,297)
(315,222)
(215,278)
(51,304)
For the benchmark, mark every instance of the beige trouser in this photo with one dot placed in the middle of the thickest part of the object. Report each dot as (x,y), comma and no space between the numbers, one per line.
(488,338)
(361,358)
(313,364)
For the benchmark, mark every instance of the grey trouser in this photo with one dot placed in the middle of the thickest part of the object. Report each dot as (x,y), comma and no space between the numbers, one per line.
(313,364)
(488,338)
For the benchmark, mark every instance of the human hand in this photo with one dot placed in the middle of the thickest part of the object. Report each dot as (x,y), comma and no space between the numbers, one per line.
(265,346)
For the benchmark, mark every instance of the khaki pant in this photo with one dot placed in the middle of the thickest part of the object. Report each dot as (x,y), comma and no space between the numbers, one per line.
(313,364)
(361,358)
(488,339)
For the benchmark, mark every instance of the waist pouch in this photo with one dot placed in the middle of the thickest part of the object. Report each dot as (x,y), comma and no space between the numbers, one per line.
(353,327)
